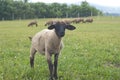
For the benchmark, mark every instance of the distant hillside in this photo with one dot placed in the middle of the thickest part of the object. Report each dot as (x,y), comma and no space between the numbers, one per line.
(108,10)
(115,11)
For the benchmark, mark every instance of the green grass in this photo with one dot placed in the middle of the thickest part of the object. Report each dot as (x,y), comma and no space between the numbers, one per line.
(91,52)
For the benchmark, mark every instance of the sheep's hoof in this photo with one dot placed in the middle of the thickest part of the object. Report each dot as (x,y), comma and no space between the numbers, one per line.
(50,78)
(55,77)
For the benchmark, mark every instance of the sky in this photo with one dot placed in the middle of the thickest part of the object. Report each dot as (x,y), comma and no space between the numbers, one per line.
(109,3)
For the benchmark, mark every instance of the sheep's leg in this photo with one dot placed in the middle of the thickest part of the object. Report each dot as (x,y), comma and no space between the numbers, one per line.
(55,65)
(36,25)
(50,69)
(32,54)
(50,65)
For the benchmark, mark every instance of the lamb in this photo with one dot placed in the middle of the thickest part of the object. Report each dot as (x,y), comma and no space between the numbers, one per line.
(49,42)
(33,23)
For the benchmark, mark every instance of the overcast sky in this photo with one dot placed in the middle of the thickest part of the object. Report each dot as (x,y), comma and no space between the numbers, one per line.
(112,3)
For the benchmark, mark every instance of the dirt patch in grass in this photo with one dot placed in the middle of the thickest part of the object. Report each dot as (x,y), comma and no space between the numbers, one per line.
(117,65)
(110,64)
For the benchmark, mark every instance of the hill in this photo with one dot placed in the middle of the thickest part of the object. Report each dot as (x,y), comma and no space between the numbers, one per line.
(115,11)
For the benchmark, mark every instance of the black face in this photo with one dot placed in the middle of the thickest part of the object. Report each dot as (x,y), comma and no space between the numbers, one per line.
(60,28)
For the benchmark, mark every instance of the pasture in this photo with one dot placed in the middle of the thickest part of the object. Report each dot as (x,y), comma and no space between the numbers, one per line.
(91,52)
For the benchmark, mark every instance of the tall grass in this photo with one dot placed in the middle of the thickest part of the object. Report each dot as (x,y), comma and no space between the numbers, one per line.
(91,52)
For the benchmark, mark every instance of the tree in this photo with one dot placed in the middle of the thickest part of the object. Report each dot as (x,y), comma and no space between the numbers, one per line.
(85,9)
(25,1)
(56,9)
(74,10)
(6,9)
(21,9)
(64,10)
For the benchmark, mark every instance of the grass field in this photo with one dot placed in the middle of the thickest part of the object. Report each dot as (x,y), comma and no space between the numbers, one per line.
(91,52)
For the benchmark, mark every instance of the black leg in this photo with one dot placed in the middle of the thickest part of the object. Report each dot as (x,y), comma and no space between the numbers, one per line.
(55,65)
(32,62)
(50,68)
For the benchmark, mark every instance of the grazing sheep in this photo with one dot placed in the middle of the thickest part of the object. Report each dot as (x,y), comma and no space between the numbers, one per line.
(89,20)
(78,20)
(51,22)
(67,22)
(49,42)
(33,23)
(74,21)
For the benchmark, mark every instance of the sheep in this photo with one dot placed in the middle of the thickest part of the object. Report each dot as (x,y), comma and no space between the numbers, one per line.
(78,20)
(51,22)
(74,21)
(90,20)
(67,21)
(49,42)
(33,23)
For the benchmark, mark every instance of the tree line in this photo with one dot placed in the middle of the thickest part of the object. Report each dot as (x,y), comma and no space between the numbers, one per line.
(11,9)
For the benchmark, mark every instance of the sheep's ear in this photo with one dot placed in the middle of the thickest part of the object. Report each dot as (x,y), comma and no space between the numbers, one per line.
(51,27)
(70,27)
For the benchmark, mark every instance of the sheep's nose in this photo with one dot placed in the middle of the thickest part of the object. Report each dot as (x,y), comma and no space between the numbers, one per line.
(62,34)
